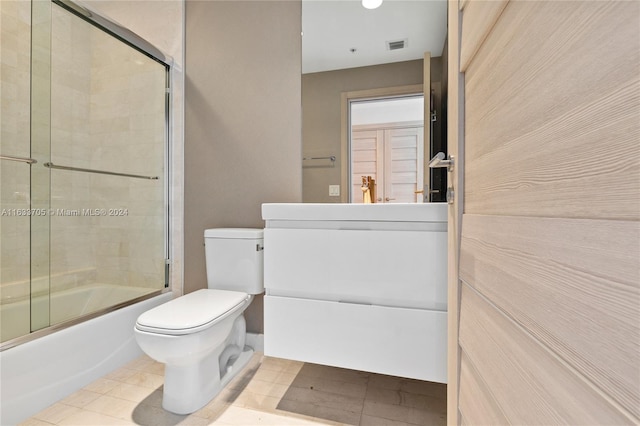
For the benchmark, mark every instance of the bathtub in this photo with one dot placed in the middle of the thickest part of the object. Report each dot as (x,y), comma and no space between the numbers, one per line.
(61,306)
(40,372)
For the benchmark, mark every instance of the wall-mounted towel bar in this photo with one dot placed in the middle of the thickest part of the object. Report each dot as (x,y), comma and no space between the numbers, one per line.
(20,159)
(332,158)
(102,172)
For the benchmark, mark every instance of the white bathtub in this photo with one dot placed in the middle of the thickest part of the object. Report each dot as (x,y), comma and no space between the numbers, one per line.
(38,373)
(17,315)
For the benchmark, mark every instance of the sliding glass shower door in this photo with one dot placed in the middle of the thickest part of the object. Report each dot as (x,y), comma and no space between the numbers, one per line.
(84,227)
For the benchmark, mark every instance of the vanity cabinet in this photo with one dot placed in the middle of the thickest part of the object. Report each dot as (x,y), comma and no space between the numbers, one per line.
(358,286)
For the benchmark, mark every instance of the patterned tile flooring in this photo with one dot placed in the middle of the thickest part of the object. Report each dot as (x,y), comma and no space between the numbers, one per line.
(269,391)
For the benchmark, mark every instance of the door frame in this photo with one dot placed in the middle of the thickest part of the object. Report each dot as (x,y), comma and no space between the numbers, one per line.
(455,148)
(345,126)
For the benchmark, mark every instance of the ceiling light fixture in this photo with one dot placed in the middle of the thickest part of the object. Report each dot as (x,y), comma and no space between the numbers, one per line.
(371,4)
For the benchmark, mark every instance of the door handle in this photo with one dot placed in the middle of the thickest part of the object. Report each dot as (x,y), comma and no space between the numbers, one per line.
(438,160)
(419,192)
(389,199)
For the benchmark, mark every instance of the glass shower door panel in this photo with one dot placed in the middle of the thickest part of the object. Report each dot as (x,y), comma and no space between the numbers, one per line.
(14,250)
(108,138)
(15,206)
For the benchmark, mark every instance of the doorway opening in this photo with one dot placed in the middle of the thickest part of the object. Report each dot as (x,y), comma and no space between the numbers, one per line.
(387,149)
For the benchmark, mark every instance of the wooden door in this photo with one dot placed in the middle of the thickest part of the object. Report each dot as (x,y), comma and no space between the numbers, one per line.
(544,123)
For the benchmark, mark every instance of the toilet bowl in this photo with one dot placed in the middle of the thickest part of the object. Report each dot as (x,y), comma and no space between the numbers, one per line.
(200,337)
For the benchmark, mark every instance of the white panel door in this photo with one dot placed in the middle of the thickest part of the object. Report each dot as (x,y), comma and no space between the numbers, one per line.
(366,149)
(403,171)
(394,157)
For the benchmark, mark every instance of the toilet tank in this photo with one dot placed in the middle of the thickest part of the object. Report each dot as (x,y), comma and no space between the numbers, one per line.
(234,259)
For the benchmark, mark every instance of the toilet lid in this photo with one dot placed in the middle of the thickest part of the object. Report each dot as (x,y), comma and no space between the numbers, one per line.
(192,312)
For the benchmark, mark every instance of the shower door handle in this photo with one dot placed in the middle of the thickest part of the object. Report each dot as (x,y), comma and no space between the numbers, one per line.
(19,159)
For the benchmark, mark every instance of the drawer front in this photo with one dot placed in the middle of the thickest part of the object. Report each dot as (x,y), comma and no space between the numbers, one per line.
(388,268)
(395,341)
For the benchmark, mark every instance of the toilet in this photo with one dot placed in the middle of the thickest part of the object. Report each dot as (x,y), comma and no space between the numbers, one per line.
(200,337)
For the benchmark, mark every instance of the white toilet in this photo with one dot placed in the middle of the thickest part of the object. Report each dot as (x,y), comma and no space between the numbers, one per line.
(201,336)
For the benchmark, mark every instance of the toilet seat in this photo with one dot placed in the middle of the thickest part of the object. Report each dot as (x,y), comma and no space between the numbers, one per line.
(192,313)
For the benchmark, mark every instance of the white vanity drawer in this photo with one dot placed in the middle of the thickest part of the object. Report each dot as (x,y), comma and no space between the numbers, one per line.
(396,341)
(380,267)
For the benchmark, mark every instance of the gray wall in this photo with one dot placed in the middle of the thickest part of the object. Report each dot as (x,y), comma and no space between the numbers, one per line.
(321,115)
(243,120)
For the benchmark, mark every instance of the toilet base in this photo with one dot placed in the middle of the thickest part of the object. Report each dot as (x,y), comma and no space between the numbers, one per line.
(188,388)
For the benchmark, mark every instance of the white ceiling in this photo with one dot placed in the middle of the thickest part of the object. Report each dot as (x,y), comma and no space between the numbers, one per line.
(332,27)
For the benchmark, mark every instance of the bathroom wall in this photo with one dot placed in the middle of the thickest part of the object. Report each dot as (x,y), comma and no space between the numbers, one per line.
(321,123)
(243,120)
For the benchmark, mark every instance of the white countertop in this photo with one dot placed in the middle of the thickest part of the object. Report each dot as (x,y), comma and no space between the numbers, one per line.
(396,212)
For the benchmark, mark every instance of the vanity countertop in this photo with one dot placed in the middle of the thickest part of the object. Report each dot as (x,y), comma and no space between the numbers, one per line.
(396,212)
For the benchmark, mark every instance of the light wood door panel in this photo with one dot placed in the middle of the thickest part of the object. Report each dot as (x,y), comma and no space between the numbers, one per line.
(479,18)
(545,320)
(550,276)
(551,103)
(480,408)
(529,383)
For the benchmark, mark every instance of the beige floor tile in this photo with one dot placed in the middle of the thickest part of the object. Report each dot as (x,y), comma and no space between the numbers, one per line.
(212,410)
(386,411)
(115,407)
(144,379)
(156,416)
(256,401)
(323,414)
(240,416)
(385,382)
(279,364)
(81,398)
(424,388)
(347,388)
(56,413)
(90,418)
(386,396)
(324,399)
(154,368)
(367,420)
(102,385)
(423,417)
(334,373)
(269,391)
(34,422)
(121,374)
(132,393)
(273,376)
(140,363)
(265,388)
(244,377)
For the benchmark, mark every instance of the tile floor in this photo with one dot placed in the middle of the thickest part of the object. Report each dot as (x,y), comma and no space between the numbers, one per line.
(270,391)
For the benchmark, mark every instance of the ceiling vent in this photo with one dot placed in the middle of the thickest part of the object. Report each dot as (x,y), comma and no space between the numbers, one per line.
(397,44)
